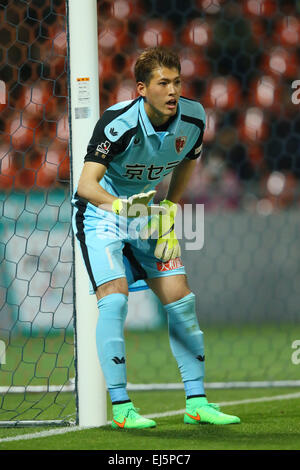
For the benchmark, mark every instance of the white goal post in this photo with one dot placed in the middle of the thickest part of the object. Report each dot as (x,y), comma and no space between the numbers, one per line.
(83,115)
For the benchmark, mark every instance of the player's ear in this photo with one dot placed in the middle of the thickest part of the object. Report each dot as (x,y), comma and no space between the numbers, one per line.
(141,88)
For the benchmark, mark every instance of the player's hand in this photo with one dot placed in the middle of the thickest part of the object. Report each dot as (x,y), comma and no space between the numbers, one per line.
(136,206)
(167,246)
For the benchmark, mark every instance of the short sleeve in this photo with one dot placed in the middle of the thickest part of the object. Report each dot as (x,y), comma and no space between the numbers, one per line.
(199,123)
(100,148)
(113,133)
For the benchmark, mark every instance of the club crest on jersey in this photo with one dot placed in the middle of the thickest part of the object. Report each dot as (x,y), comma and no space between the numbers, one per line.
(103,147)
(180,143)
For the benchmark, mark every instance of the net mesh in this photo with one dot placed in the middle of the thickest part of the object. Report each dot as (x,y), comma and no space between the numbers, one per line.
(36,254)
(240,60)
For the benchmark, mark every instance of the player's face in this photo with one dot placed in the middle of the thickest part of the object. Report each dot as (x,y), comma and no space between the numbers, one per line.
(161,94)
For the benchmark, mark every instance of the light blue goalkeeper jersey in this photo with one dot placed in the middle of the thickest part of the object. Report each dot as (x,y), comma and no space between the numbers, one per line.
(136,155)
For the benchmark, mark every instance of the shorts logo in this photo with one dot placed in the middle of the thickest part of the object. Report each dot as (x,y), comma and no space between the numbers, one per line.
(169,265)
(103,147)
(180,143)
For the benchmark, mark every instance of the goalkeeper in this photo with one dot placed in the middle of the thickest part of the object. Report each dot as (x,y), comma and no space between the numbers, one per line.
(134,146)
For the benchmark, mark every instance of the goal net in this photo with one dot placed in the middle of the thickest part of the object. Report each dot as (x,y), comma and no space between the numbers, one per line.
(241,61)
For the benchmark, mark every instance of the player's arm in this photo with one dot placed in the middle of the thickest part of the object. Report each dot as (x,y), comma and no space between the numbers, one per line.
(90,189)
(100,152)
(180,178)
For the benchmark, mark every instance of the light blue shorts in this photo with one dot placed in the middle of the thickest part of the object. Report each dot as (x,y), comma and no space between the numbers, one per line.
(111,248)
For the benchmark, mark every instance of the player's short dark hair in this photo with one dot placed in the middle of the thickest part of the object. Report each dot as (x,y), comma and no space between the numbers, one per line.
(152,58)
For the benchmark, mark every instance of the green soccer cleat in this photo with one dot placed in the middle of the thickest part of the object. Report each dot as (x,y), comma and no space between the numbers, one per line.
(126,416)
(199,411)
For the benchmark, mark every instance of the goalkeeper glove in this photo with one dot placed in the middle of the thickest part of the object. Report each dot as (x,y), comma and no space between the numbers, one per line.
(136,205)
(167,246)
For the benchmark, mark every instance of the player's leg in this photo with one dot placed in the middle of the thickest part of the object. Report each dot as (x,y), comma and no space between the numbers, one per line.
(116,286)
(113,305)
(168,281)
(112,301)
(169,288)
(187,345)
(103,258)
(186,338)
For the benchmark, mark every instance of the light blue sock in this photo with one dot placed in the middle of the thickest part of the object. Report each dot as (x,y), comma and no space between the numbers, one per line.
(194,388)
(111,345)
(118,395)
(187,345)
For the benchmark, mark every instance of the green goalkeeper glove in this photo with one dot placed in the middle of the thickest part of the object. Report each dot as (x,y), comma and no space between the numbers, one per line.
(167,246)
(136,206)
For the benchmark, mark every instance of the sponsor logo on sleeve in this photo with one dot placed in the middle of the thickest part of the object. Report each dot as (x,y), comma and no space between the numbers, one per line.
(198,150)
(103,147)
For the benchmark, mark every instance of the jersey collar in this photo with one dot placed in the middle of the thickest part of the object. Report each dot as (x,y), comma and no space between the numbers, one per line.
(146,123)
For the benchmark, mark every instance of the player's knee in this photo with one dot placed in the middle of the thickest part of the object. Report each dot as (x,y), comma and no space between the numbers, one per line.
(170,289)
(116,286)
(182,300)
(113,306)
(179,295)
(183,311)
